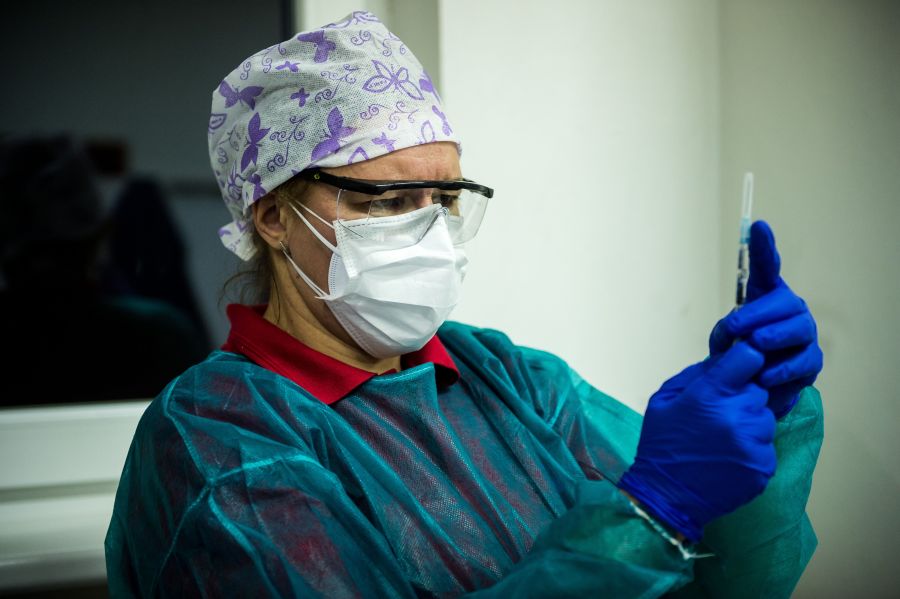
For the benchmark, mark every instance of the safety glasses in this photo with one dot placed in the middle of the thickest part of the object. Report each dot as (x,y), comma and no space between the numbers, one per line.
(363,204)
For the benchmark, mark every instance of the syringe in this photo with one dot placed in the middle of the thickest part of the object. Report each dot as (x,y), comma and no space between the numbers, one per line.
(743,270)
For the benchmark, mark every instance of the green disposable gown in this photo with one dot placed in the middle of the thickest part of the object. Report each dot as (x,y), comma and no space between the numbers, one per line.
(240,483)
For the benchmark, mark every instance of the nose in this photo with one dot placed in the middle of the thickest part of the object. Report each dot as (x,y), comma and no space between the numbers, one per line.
(424,198)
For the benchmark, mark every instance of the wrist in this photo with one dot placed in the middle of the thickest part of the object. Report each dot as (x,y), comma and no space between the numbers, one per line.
(676,534)
(657,504)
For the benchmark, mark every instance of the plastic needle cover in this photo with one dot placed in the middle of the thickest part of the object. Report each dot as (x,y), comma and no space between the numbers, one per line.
(743,269)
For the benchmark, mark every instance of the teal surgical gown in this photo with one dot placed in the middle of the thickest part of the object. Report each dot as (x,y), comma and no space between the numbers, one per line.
(240,483)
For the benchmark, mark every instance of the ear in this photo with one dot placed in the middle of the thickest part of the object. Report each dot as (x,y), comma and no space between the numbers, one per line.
(267,219)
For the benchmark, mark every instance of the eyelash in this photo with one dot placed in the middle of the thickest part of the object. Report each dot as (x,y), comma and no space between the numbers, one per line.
(445,200)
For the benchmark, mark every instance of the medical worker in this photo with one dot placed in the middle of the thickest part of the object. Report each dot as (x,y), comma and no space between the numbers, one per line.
(348,441)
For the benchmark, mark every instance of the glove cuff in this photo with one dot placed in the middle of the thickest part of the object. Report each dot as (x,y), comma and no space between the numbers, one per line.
(659,506)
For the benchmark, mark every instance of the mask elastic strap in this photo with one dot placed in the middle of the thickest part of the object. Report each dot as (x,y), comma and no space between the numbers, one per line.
(306,279)
(315,231)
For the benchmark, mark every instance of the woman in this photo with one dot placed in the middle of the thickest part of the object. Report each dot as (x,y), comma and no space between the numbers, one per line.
(337,446)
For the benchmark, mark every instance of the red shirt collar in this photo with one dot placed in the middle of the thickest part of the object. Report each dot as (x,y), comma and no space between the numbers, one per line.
(326,378)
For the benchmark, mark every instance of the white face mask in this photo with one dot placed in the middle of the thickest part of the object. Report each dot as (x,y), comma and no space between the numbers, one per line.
(388,292)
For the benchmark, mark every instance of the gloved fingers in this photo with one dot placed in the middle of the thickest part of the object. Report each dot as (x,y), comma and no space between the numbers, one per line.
(765,262)
(783,398)
(779,304)
(720,339)
(795,366)
(761,426)
(795,331)
(737,366)
(753,398)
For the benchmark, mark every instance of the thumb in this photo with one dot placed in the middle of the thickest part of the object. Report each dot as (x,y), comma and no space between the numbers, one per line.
(737,366)
(765,263)
(675,385)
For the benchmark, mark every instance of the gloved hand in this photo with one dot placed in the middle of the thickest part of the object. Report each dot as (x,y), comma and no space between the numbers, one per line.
(776,322)
(706,445)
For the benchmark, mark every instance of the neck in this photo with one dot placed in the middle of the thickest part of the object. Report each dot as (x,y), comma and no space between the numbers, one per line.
(291,313)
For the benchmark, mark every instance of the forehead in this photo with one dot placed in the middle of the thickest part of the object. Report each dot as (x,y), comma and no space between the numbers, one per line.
(434,161)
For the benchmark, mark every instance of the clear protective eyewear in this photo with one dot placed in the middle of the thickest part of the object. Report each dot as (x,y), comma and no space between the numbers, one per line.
(361,204)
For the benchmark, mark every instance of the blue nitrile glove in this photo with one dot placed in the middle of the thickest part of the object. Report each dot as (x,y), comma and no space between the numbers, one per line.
(776,322)
(706,445)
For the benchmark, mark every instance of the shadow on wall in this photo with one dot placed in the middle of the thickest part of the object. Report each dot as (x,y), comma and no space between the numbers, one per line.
(146,252)
(79,326)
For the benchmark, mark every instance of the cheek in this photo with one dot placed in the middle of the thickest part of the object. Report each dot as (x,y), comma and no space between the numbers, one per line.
(310,254)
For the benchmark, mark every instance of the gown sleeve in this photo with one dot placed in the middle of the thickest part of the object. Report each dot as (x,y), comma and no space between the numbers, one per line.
(600,546)
(761,549)
(270,532)
(285,528)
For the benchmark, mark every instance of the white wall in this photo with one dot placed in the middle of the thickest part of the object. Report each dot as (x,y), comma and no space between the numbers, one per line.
(644,117)
(596,122)
(811,102)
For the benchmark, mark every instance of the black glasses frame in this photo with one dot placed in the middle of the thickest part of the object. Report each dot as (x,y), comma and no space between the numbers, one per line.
(377,188)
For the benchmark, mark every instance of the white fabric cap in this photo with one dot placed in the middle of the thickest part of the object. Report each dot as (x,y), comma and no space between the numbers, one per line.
(345,92)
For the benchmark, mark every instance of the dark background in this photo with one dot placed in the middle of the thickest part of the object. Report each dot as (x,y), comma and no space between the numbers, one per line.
(131,83)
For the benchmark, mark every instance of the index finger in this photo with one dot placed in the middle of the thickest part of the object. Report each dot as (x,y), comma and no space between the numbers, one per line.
(777,305)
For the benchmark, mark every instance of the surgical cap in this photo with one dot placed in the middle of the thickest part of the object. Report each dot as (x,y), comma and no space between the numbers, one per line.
(346,92)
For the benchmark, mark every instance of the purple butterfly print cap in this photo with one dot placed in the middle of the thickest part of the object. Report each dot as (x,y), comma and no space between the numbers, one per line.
(342,93)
